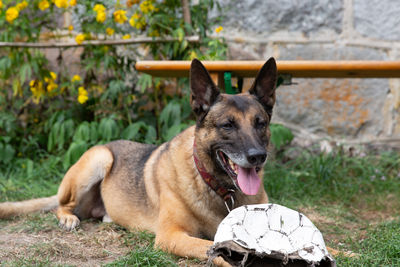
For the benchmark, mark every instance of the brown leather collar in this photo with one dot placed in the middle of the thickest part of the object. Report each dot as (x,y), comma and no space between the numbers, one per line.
(226,194)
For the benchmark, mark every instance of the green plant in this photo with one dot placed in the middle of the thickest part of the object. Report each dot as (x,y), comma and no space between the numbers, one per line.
(65,110)
(280,135)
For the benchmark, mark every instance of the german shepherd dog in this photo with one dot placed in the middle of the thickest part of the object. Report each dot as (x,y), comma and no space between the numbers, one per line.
(182,189)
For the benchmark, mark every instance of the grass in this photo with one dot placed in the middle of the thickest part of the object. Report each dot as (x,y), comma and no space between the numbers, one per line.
(314,178)
(25,178)
(381,247)
(145,256)
(354,201)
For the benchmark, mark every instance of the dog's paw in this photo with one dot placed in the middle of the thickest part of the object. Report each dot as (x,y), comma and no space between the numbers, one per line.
(68,222)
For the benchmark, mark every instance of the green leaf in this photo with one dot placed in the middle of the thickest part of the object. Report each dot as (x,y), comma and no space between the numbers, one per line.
(130,132)
(7,153)
(74,152)
(94,135)
(60,138)
(183,46)
(108,129)
(144,82)
(180,33)
(280,135)
(173,131)
(29,167)
(151,135)
(53,136)
(82,133)
(25,72)
(15,86)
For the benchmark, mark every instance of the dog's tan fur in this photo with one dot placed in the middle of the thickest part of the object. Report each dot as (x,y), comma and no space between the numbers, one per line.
(159,189)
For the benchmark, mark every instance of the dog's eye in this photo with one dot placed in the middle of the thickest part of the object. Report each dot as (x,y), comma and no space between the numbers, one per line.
(227,125)
(260,124)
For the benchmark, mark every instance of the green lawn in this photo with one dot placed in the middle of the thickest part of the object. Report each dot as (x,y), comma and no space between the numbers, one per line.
(354,201)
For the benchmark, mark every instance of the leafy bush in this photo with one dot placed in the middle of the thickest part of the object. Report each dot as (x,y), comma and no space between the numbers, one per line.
(63,110)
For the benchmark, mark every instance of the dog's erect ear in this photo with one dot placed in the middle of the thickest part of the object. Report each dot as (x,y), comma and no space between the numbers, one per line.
(204,91)
(264,85)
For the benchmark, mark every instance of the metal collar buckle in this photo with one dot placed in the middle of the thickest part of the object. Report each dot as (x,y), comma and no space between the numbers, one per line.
(232,200)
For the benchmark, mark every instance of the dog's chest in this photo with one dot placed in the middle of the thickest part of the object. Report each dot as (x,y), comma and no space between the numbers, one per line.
(210,217)
(209,227)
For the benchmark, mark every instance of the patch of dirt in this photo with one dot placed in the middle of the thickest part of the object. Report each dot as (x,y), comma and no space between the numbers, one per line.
(93,244)
(36,239)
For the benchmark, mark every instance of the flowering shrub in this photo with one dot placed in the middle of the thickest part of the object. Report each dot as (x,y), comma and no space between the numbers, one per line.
(36,94)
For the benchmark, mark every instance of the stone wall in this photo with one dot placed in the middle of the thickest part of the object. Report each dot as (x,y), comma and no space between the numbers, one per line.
(352,109)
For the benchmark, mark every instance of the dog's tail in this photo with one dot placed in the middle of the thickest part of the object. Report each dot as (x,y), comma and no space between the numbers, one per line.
(11,209)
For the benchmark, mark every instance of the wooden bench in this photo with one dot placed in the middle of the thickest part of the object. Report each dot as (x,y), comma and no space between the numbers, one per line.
(286,69)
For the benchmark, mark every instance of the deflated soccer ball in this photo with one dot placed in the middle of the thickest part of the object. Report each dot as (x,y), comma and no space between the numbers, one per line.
(269,235)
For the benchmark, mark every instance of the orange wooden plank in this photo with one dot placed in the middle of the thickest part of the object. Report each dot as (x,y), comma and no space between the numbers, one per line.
(296,68)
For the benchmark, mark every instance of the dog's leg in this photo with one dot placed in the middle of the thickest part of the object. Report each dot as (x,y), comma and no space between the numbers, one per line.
(177,231)
(78,185)
(182,244)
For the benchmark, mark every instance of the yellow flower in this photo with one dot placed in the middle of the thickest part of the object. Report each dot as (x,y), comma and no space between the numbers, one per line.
(80,38)
(82,95)
(22,5)
(99,8)
(120,16)
(76,78)
(154,33)
(193,55)
(43,5)
(137,21)
(51,86)
(61,3)
(82,91)
(11,14)
(135,17)
(70,28)
(126,36)
(146,7)
(36,88)
(219,29)
(101,16)
(53,75)
(72,2)
(82,98)
(110,31)
(1,4)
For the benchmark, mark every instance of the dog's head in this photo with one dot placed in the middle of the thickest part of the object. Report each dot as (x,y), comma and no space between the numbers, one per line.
(232,131)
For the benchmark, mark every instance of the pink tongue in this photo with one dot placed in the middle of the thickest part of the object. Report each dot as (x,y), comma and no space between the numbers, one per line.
(248,180)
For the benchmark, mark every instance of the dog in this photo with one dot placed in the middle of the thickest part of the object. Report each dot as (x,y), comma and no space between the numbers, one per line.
(182,189)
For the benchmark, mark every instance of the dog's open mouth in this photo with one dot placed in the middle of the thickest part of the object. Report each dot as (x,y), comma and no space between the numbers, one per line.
(246,179)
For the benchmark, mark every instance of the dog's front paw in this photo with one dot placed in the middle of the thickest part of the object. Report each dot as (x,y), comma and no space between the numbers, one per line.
(68,222)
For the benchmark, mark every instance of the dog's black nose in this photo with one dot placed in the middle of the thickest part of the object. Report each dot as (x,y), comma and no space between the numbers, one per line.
(256,156)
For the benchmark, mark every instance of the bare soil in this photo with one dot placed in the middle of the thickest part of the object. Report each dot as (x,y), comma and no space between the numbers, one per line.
(36,240)
(92,244)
